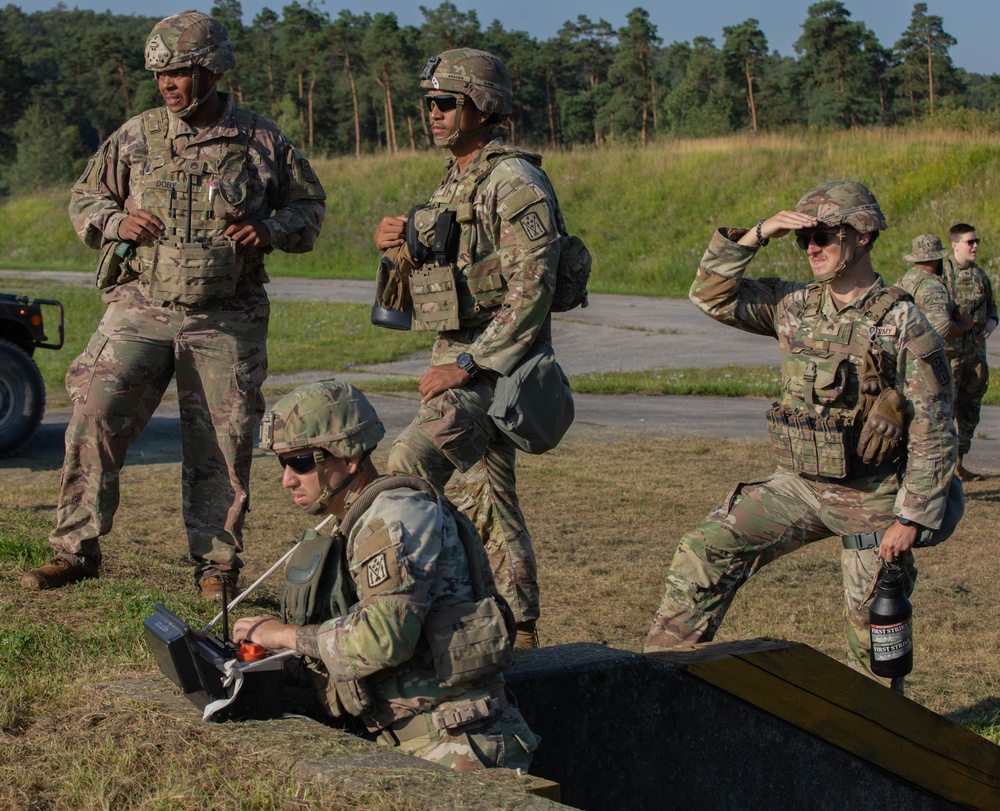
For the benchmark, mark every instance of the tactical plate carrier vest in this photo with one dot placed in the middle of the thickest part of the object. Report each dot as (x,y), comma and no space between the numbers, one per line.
(464,642)
(193,263)
(459,283)
(814,429)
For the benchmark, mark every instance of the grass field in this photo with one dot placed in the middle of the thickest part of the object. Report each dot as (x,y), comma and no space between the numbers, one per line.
(646,214)
(605,509)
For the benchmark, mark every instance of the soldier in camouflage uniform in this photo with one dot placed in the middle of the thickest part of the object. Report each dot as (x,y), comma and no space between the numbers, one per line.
(183,201)
(925,285)
(972,292)
(862,435)
(486,291)
(391,622)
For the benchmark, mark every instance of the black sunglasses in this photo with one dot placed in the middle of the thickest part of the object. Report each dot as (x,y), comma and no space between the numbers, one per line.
(820,238)
(445,102)
(304,463)
(975,241)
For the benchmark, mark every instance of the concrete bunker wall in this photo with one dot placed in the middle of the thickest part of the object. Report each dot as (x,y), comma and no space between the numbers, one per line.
(628,731)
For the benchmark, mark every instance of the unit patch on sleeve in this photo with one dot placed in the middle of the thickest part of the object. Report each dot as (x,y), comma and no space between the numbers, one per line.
(533,227)
(378,571)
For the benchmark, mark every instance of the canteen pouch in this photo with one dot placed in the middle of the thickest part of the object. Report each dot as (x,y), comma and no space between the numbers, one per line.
(468,641)
(816,446)
(533,405)
(109,266)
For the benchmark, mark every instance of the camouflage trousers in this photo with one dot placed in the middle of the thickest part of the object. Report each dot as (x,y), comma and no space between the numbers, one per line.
(452,432)
(970,378)
(760,522)
(503,741)
(219,359)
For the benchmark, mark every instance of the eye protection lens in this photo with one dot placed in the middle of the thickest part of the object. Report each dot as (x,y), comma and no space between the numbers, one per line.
(820,238)
(975,241)
(304,463)
(445,102)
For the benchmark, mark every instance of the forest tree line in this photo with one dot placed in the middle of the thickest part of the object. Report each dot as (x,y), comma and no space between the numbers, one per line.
(348,84)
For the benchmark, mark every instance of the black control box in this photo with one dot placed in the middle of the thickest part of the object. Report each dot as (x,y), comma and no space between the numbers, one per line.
(199,665)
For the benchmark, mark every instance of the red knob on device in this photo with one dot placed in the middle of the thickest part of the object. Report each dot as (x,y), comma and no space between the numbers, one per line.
(250,652)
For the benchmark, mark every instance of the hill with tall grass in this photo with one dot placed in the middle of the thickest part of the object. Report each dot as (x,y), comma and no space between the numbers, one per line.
(647,214)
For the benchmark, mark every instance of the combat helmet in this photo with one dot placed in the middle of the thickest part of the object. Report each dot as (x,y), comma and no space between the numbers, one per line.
(474,74)
(329,416)
(190,39)
(843,203)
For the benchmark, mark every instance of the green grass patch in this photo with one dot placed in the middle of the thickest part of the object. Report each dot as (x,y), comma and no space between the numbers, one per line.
(723,381)
(646,214)
(311,335)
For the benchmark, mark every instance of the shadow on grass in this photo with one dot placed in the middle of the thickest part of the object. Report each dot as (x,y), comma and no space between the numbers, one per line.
(982,717)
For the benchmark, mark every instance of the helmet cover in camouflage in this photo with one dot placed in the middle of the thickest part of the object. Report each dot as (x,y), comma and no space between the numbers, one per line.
(477,74)
(926,248)
(330,415)
(844,202)
(188,39)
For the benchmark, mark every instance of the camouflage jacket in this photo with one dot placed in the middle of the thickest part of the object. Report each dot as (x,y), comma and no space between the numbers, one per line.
(405,557)
(913,351)
(282,191)
(972,292)
(931,297)
(515,245)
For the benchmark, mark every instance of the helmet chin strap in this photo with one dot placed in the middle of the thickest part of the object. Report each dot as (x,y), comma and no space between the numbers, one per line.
(848,256)
(196,100)
(327,494)
(456,131)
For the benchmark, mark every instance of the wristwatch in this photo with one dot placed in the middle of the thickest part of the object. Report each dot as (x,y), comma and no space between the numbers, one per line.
(906,522)
(465,362)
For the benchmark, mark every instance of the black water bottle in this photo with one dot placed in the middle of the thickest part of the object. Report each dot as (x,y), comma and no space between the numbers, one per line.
(891,625)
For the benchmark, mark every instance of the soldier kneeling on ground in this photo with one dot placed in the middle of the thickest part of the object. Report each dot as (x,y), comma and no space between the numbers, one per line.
(384,607)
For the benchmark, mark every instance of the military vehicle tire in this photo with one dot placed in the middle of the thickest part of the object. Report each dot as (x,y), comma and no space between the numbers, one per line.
(22,398)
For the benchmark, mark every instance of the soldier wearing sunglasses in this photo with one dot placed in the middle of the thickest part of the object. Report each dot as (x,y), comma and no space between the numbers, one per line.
(972,291)
(485,250)
(392,609)
(862,435)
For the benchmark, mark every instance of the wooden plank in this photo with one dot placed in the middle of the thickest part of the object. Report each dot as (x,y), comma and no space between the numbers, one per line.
(827,699)
(856,693)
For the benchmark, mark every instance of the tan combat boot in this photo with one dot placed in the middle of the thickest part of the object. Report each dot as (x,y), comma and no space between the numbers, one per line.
(210,586)
(966,475)
(55,574)
(527,636)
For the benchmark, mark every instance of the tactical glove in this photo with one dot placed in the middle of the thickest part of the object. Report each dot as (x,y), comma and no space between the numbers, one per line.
(392,283)
(870,379)
(883,427)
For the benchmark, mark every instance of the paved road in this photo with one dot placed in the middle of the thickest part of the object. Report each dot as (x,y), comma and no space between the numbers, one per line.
(624,333)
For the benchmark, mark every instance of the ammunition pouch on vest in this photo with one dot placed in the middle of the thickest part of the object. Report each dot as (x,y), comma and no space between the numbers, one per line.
(193,263)
(435,298)
(814,429)
(819,446)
